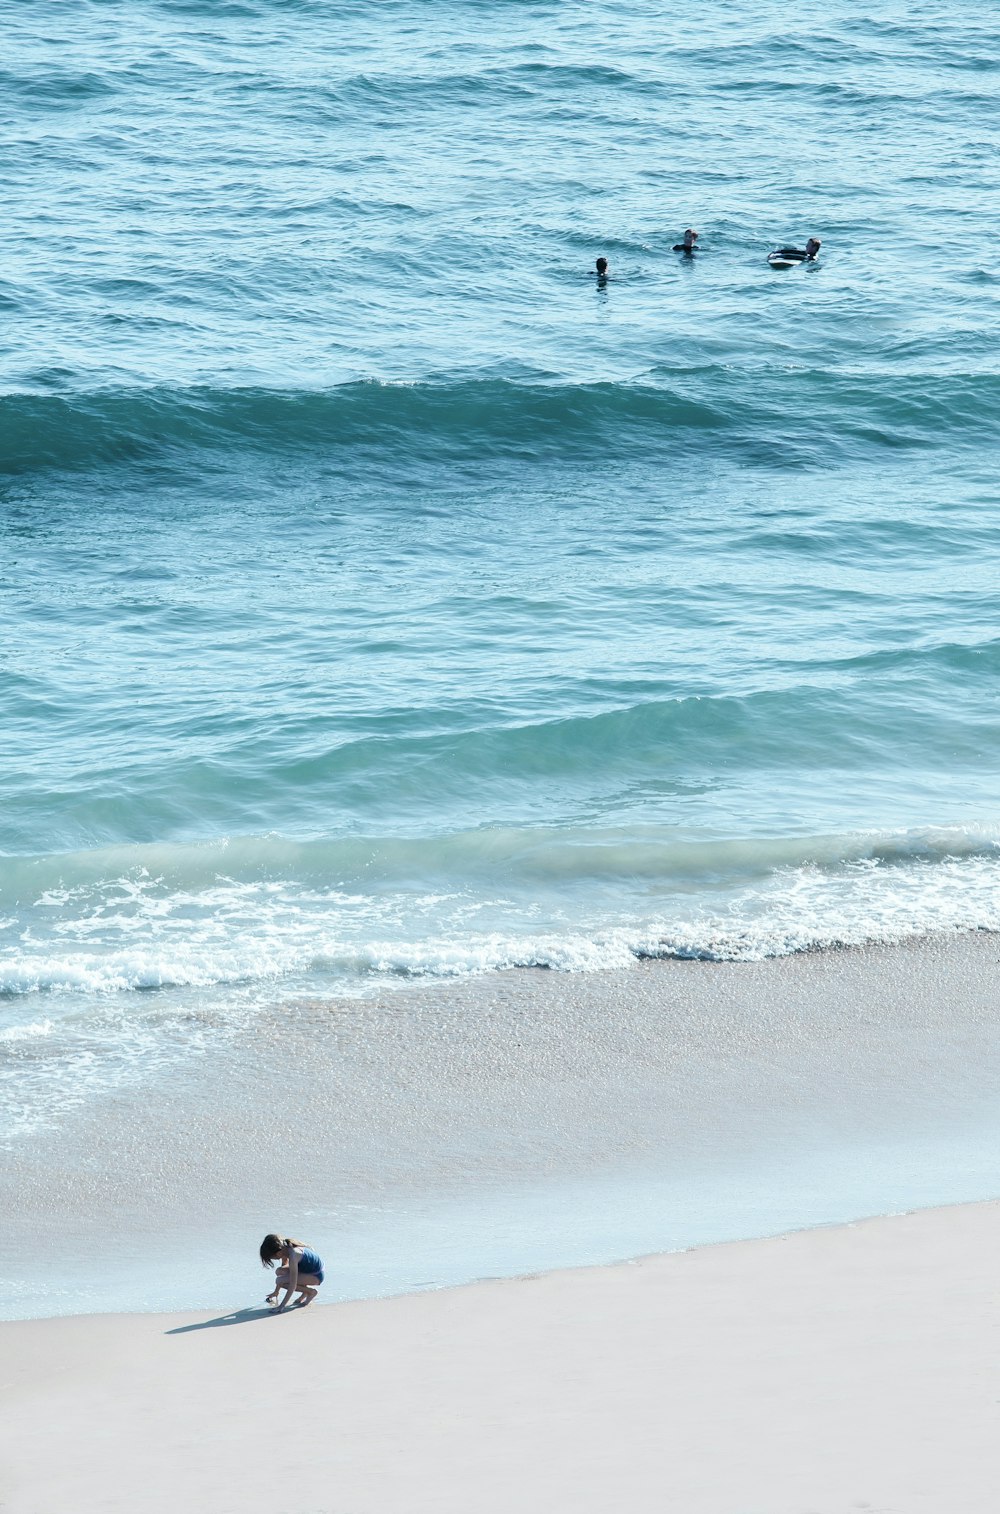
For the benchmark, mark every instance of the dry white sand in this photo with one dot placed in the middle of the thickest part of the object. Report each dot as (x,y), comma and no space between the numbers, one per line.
(855,1368)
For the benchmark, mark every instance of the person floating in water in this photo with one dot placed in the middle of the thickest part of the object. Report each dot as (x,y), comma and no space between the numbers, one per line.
(687,247)
(602,270)
(301,1271)
(805,254)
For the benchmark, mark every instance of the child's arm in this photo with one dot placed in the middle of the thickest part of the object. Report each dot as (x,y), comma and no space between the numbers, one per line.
(293,1278)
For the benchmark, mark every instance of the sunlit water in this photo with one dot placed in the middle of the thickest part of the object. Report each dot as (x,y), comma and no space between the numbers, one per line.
(382,597)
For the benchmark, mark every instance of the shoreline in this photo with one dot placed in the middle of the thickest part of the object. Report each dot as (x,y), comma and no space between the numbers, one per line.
(524,1123)
(847,1367)
(197,1320)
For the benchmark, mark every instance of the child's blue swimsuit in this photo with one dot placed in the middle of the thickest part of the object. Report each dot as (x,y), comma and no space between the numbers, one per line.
(310,1265)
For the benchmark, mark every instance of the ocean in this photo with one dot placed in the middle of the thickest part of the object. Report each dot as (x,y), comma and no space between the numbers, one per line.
(387,600)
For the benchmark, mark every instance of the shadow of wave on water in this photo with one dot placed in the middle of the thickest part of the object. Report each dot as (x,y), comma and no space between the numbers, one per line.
(450,420)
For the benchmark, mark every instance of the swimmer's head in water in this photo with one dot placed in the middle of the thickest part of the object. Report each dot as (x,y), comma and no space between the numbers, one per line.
(602,267)
(813,246)
(690,237)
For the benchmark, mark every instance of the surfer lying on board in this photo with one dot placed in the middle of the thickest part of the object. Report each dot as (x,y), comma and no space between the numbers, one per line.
(301,1271)
(805,254)
(687,247)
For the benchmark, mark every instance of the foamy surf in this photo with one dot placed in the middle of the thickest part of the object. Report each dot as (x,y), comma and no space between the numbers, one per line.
(139,975)
(187,926)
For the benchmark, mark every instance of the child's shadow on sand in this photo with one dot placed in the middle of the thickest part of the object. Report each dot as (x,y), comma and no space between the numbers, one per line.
(238,1317)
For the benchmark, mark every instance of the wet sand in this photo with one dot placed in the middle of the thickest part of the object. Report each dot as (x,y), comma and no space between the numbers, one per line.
(521,1122)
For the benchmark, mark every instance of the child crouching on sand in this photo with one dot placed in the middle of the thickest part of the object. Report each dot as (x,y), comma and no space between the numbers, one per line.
(301,1271)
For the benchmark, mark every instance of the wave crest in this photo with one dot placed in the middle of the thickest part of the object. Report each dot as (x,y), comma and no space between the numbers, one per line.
(338,914)
(454,419)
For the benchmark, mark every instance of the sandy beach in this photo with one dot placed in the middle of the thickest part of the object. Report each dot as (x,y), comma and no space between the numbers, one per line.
(823,1372)
(498,682)
(531,1124)
(520,1122)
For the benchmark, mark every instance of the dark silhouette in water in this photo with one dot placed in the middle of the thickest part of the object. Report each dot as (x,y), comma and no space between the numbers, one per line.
(687,247)
(806,254)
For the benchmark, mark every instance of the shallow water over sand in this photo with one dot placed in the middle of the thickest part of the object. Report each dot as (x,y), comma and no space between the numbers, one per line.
(523,1122)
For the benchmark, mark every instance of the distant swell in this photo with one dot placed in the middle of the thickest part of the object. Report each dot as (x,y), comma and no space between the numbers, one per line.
(744,411)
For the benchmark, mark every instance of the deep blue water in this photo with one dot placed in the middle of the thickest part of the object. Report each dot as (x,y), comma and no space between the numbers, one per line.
(382,596)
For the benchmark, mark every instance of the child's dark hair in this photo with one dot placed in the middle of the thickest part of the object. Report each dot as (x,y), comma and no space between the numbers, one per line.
(272,1246)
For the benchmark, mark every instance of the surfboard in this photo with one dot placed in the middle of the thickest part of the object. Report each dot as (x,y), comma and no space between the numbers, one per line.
(777,261)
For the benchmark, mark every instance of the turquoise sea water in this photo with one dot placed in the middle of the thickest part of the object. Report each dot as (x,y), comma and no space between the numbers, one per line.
(382,598)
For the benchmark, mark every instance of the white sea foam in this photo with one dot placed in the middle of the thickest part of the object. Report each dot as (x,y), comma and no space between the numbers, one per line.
(138,974)
(29,1032)
(238,933)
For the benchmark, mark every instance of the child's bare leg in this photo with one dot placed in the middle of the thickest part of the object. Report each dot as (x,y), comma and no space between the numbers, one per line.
(305,1294)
